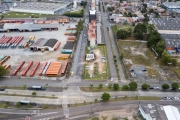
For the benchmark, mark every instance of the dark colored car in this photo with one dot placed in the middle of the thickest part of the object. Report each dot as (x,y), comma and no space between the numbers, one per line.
(2,89)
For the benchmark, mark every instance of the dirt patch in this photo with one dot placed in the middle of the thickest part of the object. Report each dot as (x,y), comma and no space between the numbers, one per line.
(128,61)
(138,51)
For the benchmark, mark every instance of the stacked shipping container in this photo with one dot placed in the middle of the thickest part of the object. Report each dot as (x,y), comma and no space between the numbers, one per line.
(27,68)
(18,68)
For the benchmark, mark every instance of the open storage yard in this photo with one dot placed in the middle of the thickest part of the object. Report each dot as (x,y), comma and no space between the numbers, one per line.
(141,64)
(35,52)
(96,65)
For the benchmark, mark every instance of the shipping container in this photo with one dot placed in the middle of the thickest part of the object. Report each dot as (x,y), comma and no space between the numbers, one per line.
(63,71)
(35,68)
(27,68)
(18,68)
(44,65)
(4,60)
(57,45)
(45,69)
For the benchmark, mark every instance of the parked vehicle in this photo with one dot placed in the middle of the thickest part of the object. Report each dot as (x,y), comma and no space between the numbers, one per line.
(174,98)
(36,88)
(167,98)
(2,89)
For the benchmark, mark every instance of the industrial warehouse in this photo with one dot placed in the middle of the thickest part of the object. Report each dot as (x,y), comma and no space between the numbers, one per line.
(37,7)
(39,53)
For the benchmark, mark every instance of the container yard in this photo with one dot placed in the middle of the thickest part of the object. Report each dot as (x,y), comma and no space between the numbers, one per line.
(35,54)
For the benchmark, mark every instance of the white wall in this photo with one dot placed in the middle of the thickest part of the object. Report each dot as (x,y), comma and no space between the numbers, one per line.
(92,42)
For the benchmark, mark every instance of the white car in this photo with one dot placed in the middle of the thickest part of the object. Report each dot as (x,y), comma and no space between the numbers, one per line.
(156,88)
(112,79)
(174,98)
(133,74)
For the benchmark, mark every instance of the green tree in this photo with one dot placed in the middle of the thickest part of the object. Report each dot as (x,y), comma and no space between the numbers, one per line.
(153,38)
(116,86)
(175,86)
(145,86)
(151,11)
(174,61)
(91,86)
(166,58)
(100,86)
(18,104)
(109,85)
(139,30)
(122,34)
(165,86)
(133,86)
(45,106)
(105,96)
(33,93)
(3,71)
(125,87)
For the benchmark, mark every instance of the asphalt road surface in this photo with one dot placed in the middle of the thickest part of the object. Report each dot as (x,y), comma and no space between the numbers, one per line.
(82,110)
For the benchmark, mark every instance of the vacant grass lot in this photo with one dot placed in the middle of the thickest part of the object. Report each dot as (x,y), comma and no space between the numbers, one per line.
(98,76)
(136,53)
(124,26)
(25,15)
(97,89)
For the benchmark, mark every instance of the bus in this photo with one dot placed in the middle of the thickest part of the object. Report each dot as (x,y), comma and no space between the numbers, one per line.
(36,88)
(24,102)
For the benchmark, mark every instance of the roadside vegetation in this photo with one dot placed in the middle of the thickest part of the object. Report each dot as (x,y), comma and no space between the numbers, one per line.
(3,71)
(110,87)
(79,13)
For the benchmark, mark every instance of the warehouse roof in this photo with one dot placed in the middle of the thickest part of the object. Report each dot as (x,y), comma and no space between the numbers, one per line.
(39,6)
(172,112)
(166,23)
(69,45)
(51,43)
(171,40)
(28,26)
(39,43)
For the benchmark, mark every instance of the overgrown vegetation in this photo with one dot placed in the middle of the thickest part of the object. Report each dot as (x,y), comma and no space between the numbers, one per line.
(79,13)
(3,71)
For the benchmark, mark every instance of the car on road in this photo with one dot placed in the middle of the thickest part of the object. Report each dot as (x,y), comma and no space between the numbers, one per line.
(112,79)
(174,98)
(151,87)
(156,88)
(2,89)
(166,98)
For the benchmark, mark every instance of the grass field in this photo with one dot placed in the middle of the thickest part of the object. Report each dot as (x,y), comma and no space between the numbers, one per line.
(97,89)
(139,54)
(25,15)
(98,76)
(124,26)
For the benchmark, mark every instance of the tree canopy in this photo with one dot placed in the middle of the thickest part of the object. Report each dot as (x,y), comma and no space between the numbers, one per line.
(105,96)
(165,86)
(139,30)
(3,71)
(122,34)
(116,86)
(133,86)
(175,86)
(145,86)
(125,87)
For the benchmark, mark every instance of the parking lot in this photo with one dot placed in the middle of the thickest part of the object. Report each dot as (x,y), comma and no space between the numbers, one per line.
(24,54)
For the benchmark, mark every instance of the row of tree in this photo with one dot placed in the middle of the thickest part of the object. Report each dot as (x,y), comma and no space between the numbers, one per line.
(174,86)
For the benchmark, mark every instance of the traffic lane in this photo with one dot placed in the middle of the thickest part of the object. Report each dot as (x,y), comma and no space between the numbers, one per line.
(59,114)
(28,82)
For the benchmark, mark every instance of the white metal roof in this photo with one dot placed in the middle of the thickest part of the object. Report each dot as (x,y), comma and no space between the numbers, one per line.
(92,12)
(172,112)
